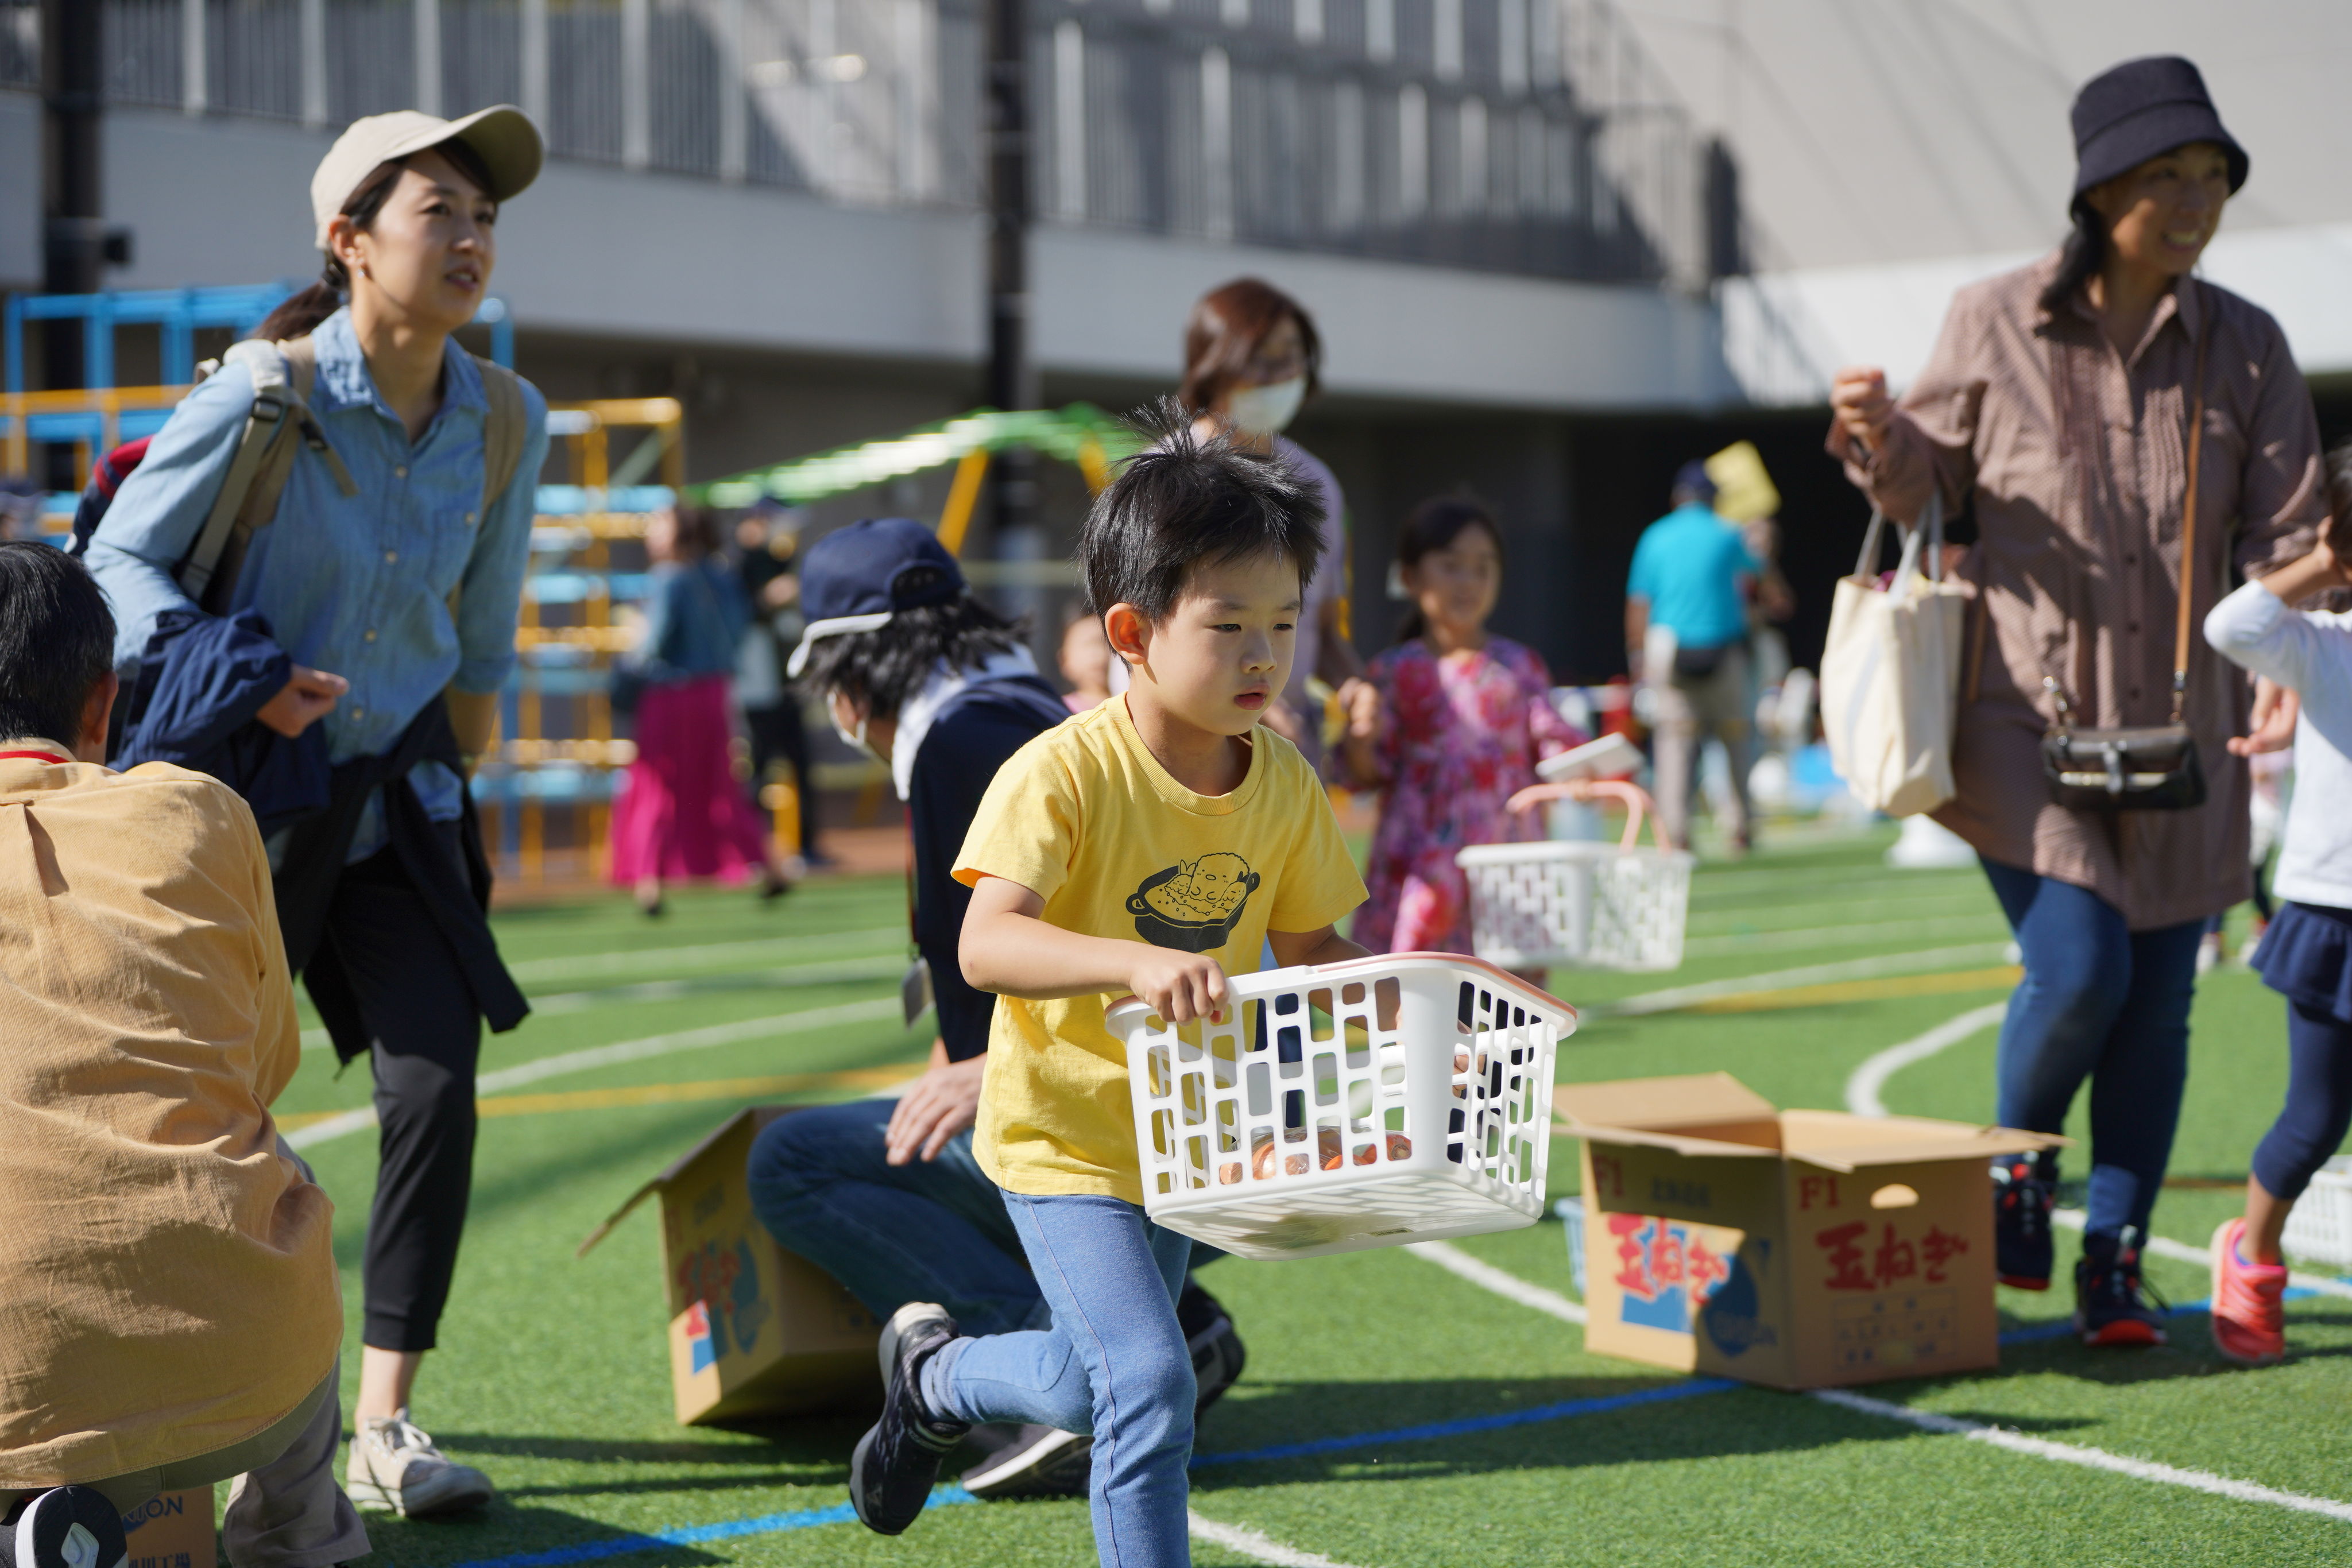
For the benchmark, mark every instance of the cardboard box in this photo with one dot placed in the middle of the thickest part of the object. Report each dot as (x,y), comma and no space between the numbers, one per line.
(175,1530)
(1796,1249)
(754,1330)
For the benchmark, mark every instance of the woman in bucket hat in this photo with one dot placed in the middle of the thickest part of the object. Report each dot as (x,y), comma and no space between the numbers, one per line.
(389,575)
(2059,403)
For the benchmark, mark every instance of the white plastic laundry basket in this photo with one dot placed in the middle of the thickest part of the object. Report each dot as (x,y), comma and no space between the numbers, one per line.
(1399,1098)
(1579,904)
(2319,1229)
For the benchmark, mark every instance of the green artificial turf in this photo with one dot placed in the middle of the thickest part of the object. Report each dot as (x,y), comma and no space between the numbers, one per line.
(553,1372)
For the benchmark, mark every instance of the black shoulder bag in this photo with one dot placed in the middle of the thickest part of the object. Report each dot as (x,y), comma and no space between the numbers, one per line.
(2153,767)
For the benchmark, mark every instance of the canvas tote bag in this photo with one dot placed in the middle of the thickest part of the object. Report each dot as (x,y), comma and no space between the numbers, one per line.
(1891,672)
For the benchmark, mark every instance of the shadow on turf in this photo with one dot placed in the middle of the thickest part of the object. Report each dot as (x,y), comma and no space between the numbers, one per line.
(2190,1353)
(504,1529)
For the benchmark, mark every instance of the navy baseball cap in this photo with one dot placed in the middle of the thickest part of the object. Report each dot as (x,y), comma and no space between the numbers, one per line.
(1691,478)
(856,579)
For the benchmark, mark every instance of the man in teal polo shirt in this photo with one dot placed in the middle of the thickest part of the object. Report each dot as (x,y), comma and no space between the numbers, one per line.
(1687,636)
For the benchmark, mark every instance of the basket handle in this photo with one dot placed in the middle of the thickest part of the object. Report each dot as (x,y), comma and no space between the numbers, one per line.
(1636,800)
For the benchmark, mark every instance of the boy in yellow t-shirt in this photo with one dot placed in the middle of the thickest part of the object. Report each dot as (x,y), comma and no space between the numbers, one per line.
(1149,846)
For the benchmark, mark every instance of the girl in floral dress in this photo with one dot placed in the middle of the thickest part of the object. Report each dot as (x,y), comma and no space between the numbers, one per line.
(1448,725)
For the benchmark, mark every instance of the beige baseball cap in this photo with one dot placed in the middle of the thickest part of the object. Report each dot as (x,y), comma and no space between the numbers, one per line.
(502,137)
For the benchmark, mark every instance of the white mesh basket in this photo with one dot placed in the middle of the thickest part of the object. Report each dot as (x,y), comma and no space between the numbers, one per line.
(1399,1098)
(1579,904)
(2320,1227)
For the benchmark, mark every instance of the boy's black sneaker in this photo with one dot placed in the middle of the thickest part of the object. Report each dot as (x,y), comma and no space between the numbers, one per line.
(2023,1253)
(1218,1353)
(2109,1310)
(892,1470)
(70,1526)
(1029,1462)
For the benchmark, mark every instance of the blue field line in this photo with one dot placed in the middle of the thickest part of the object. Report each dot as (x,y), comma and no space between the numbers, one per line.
(696,1534)
(1560,1412)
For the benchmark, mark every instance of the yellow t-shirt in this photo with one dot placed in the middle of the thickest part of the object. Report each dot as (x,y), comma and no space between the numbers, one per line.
(1084,817)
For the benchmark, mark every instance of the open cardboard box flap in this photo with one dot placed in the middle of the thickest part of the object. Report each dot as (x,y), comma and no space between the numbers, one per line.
(1705,1113)
(1714,1115)
(762,1113)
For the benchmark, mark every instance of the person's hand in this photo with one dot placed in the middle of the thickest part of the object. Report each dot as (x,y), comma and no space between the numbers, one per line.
(1179,987)
(1361,701)
(310,696)
(1284,720)
(2276,708)
(779,593)
(1858,397)
(937,1106)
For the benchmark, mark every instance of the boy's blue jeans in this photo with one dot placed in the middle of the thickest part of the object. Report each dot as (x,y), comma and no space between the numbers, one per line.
(1113,1364)
(928,1230)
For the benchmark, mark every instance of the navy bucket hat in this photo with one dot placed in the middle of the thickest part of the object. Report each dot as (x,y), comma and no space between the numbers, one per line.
(2142,109)
(856,579)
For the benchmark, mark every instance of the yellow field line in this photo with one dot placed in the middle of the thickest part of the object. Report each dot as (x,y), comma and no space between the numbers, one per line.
(1994,979)
(662,1094)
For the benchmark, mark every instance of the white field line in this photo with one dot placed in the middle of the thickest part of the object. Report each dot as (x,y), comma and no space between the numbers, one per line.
(1251,1544)
(1832,935)
(1461,1263)
(2182,1252)
(1862,1090)
(839,972)
(1921,962)
(2088,1457)
(1486,1276)
(1861,1098)
(710,954)
(706,1038)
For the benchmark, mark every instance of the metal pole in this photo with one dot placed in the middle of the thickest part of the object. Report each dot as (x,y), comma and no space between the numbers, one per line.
(73,243)
(1011,377)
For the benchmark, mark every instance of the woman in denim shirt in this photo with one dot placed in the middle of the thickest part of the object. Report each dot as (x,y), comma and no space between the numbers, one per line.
(682,814)
(396,598)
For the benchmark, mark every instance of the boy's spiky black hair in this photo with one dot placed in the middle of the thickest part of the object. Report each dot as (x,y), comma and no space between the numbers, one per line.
(1181,501)
(56,642)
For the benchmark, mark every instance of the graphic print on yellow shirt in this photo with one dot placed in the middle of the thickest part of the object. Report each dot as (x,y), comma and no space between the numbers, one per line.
(1085,818)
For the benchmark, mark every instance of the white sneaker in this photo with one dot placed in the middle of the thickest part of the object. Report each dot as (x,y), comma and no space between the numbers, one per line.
(395,1468)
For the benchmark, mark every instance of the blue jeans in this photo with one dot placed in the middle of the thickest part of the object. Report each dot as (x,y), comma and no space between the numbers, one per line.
(928,1230)
(2104,1002)
(1113,1364)
(2318,1101)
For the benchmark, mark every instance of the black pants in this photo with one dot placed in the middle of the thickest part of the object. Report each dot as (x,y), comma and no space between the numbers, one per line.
(778,734)
(424,1035)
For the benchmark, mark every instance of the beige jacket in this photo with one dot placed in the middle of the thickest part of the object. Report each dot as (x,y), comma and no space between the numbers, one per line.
(167,1279)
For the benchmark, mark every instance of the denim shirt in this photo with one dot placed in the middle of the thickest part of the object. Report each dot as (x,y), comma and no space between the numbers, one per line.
(356,585)
(695,618)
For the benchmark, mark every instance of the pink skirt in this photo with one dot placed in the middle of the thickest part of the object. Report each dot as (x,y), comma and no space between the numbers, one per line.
(683,812)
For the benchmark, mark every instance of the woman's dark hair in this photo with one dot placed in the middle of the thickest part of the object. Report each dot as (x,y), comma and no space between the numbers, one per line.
(2340,493)
(1227,328)
(880,670)
(698,534)
(1435,525)
(56,642)
(2079,260)
(1181,501)
(300,316)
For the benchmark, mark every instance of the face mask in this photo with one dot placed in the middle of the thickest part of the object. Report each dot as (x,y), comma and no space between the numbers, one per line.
(854,737)
(1268,409)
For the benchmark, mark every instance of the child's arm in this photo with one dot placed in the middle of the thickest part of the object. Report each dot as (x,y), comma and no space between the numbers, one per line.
(1324,947)
(1008,948)
(2256,629)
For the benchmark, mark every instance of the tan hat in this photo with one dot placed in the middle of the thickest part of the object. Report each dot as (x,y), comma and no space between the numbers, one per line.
(503,138)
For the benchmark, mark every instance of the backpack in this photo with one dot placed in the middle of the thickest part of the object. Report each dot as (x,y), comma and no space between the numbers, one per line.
(282,374)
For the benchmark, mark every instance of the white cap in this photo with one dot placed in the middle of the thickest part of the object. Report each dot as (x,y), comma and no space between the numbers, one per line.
(503,138)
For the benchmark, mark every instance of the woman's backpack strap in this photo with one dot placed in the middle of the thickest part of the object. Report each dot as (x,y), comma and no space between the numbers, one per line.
(282,377)
(506,430)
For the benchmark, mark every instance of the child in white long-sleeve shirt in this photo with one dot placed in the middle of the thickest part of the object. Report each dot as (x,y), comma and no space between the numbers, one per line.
(2307,953)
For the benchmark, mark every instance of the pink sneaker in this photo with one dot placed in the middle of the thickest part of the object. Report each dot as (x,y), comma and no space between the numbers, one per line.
(2249,1323)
